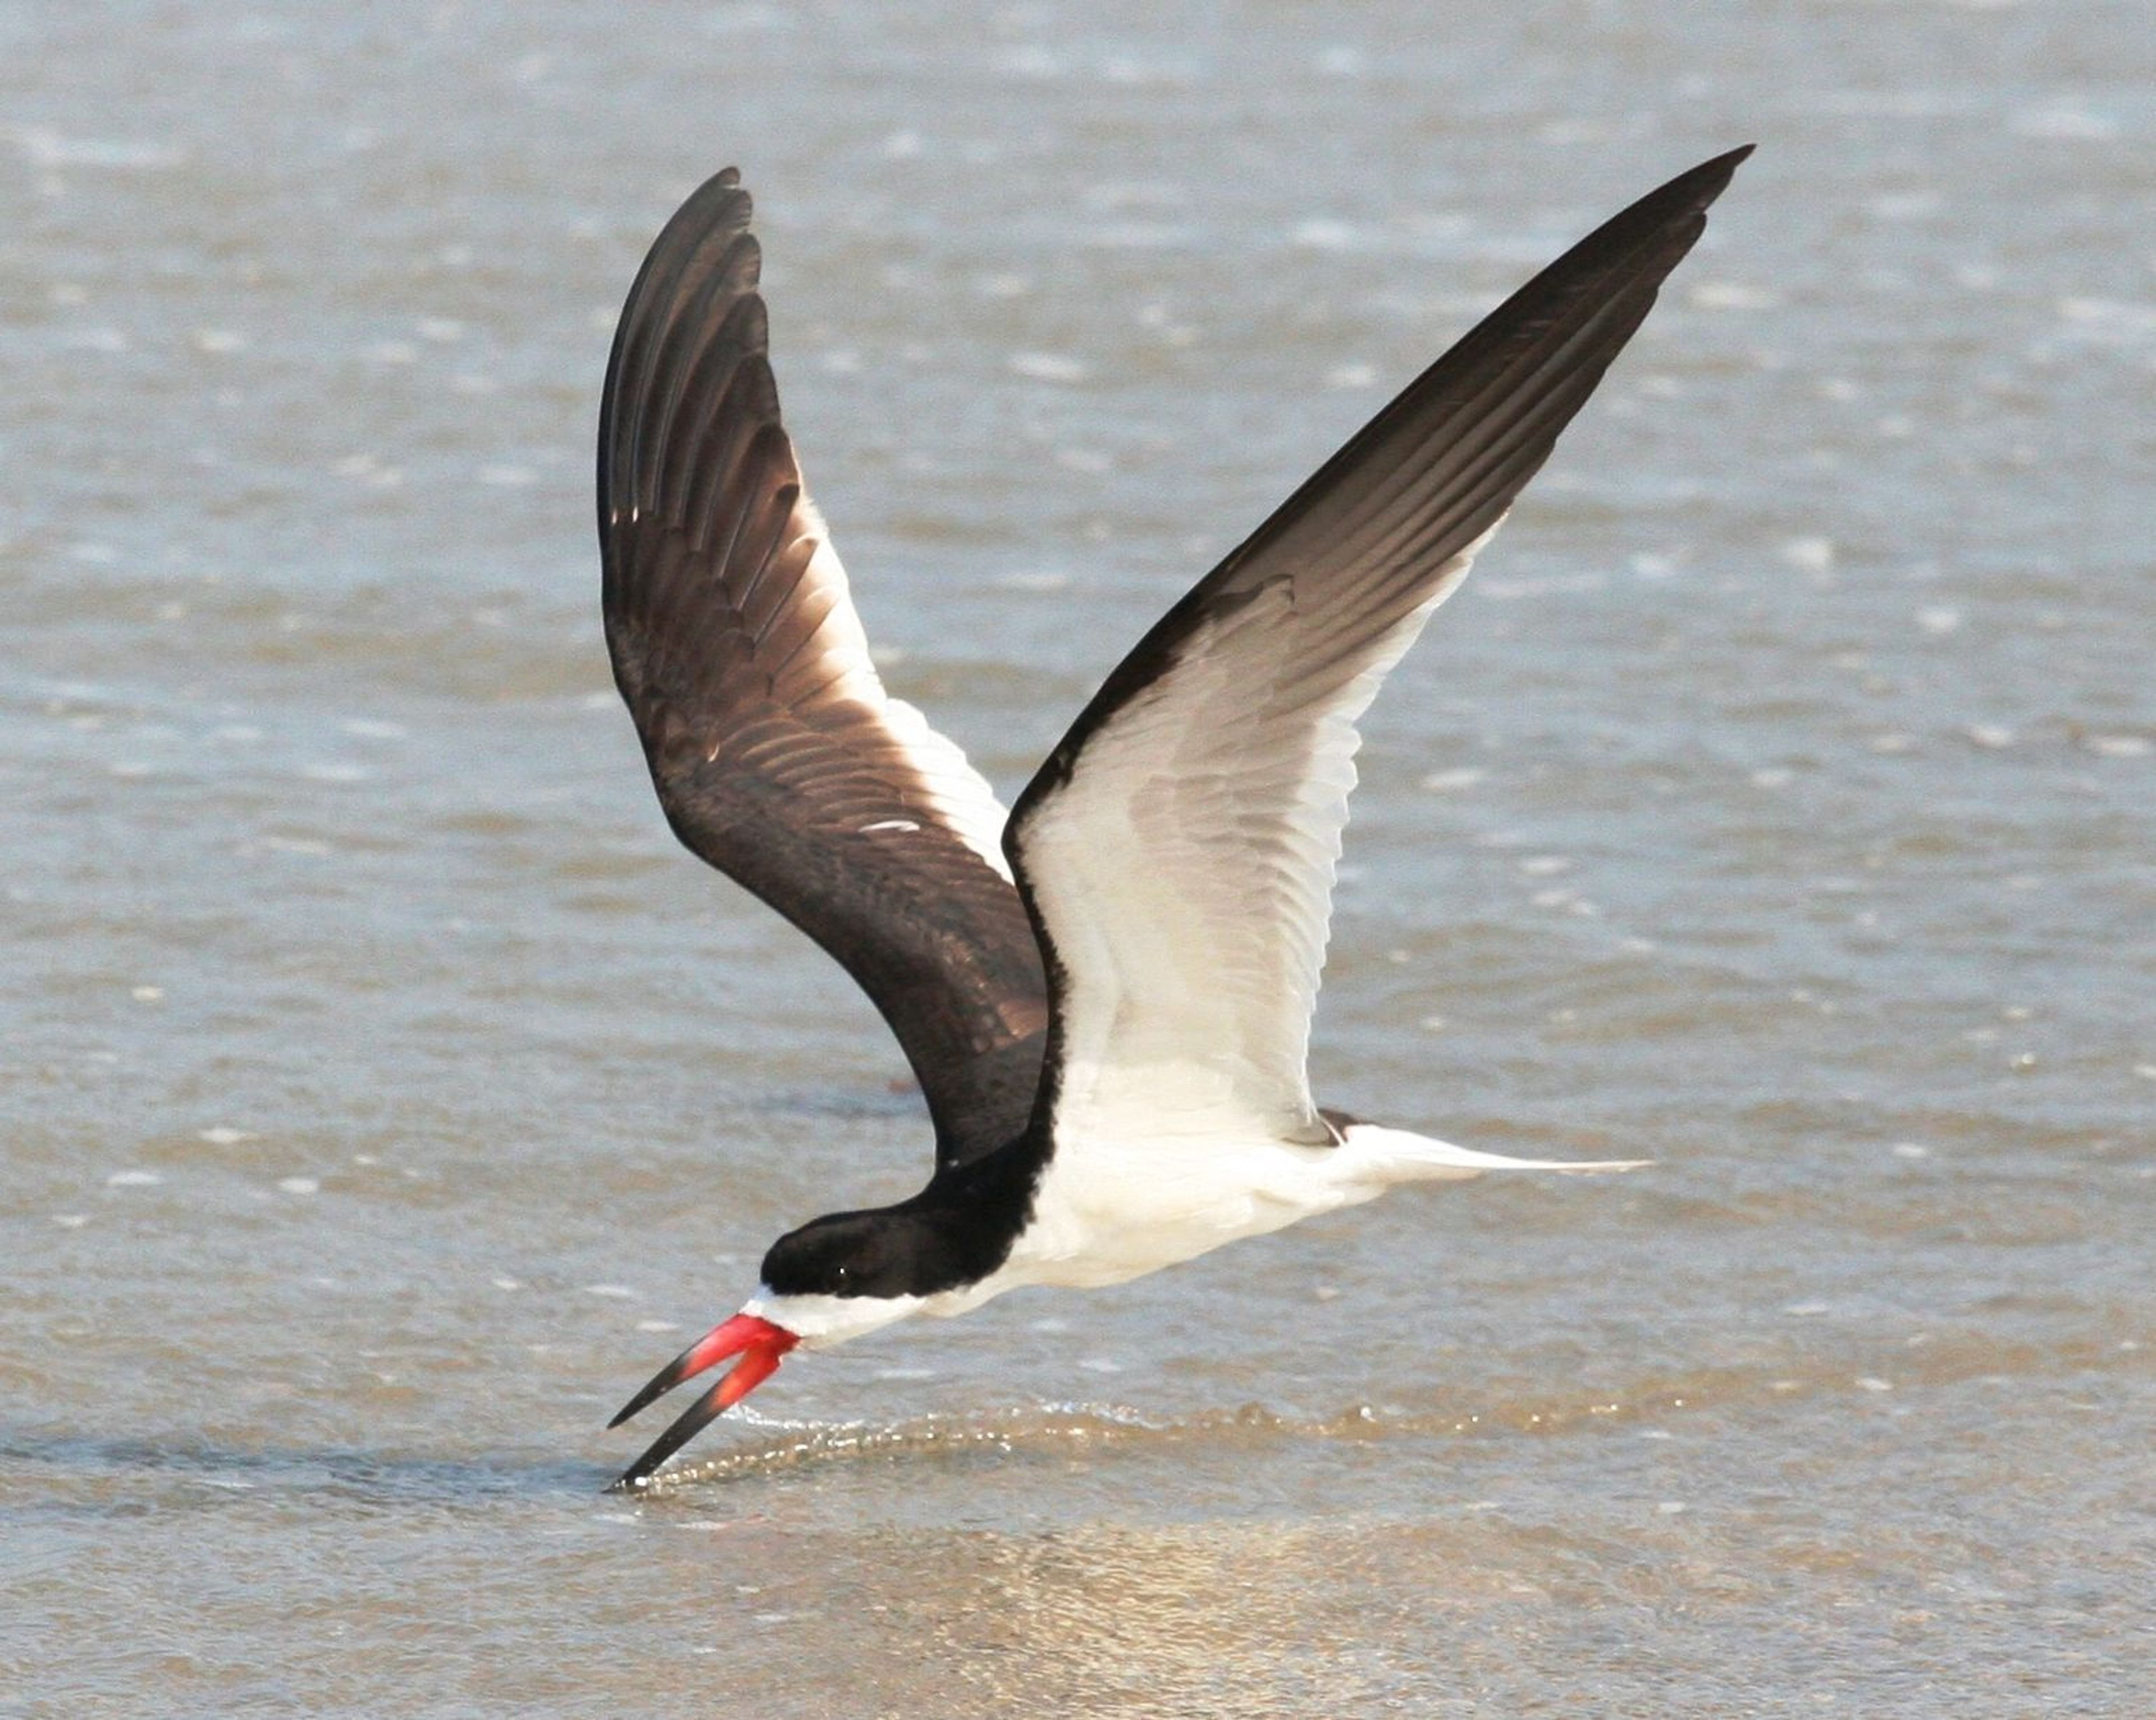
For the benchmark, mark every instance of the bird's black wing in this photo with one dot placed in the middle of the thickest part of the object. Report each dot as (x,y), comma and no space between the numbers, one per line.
(1177,849)
(778,755)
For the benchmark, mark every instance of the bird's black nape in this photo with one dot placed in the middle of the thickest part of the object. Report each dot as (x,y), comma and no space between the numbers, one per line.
(955,1232)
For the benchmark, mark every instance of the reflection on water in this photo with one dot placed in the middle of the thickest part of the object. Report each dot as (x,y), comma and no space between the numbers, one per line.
(1076,1433)
(384,1091)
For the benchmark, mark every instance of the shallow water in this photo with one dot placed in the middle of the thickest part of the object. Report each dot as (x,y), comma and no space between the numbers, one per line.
(385,1094)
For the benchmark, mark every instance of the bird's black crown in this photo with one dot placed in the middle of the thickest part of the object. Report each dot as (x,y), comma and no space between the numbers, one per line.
(955,1232)
(886,1254)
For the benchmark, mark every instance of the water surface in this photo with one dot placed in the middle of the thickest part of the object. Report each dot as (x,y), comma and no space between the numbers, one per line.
(384,1093)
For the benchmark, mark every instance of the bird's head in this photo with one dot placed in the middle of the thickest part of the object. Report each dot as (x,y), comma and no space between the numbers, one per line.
(858,1257)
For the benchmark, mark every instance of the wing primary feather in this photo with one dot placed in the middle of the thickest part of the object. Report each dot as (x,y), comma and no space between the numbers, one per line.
(689,337)
(728,366)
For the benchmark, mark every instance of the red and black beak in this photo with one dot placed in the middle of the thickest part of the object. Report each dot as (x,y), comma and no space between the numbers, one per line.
(761,1346)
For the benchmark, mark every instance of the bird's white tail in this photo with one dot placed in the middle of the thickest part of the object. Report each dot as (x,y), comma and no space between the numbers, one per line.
(1382,1156)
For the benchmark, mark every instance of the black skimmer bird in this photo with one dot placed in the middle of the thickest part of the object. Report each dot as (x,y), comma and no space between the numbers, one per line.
(1106,996)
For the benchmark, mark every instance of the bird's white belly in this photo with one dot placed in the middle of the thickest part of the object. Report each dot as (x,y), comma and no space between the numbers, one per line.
(1114,1210)
(1108,1210)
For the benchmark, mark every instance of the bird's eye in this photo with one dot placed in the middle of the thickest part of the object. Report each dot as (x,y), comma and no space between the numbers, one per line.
(845,1273)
